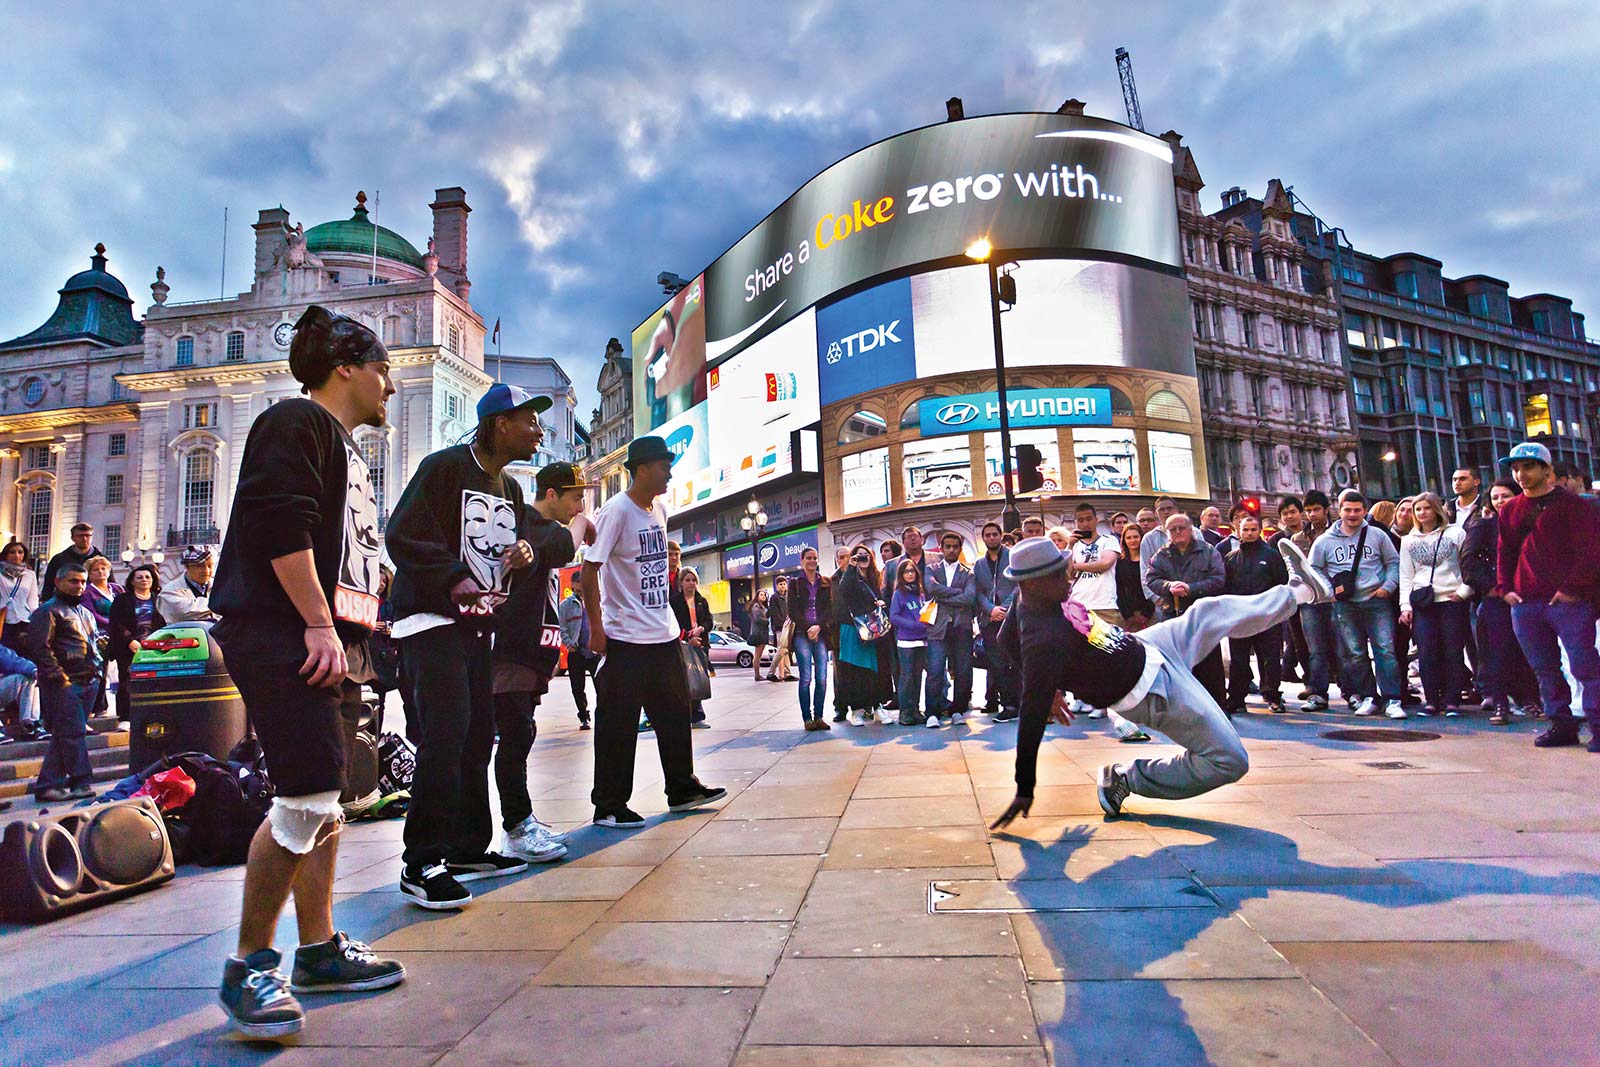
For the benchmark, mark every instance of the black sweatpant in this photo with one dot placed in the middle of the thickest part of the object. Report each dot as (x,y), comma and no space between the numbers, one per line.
(579,665)
(632,677)
(452,690)
(514,722)
(1268,649)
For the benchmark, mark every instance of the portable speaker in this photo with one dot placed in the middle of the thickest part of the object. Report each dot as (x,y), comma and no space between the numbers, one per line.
(361,758)
(53,865)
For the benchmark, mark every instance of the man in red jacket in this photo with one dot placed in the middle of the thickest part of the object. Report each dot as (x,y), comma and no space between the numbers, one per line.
(1549,566)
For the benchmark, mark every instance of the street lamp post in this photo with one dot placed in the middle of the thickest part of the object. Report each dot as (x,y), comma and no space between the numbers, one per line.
(983,252)
(754,523)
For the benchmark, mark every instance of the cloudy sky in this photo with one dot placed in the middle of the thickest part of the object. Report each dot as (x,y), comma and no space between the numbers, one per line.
(600,143)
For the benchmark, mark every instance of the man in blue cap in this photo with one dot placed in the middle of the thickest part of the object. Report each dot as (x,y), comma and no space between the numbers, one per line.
(1549,571)
(635,635)
(1147,677)
(459,536)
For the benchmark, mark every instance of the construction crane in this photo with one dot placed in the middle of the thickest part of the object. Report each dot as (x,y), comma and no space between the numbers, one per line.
(1130,92)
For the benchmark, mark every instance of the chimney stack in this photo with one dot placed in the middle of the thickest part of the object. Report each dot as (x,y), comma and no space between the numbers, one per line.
(1071,107)
(450,238)
(272,239)
(953,109)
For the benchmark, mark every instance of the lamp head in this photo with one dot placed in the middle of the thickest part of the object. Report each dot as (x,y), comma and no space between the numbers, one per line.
(979,251)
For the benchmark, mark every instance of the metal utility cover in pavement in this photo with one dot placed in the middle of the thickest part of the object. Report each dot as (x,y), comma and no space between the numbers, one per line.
(1379,736)
(988,895)
(1391,765)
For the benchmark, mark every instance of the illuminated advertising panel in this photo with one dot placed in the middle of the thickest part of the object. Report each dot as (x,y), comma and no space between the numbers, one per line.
(669,359)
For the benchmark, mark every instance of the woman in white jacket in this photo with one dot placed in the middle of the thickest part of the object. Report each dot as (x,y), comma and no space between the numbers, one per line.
(1434,602)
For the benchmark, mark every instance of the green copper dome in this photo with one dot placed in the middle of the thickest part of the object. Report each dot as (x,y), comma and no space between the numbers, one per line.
(94,306)
(354,236)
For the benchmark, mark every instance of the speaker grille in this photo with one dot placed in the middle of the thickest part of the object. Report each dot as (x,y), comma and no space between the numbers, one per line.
(123,844)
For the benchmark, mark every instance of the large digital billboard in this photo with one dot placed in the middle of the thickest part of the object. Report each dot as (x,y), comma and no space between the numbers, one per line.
(1081,203)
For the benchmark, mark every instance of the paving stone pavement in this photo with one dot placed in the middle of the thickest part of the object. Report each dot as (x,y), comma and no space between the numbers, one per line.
(1420,904)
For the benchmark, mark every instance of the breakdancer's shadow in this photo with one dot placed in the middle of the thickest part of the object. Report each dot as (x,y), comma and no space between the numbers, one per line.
(1101,954)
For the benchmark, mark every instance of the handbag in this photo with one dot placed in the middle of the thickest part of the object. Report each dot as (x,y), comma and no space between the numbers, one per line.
(695,671)
(1422,596)
(872,625)
(1344,582)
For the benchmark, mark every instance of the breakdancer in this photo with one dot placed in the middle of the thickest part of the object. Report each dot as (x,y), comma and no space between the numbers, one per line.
(1146,677)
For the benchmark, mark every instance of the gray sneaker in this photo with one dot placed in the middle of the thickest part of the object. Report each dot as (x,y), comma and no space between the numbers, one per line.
(1303,576)
(256,996)
(1114,788)
(343,965)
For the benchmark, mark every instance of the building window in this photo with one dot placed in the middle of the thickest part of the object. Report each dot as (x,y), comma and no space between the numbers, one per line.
(375,453)
(1199,311)
(1247,321)
(864,480)
(1265,454)
(1165,404)
(1405,283)
(1188,247)
(1171,463)
(1541,321)
(111,539)
(186,351)
(38,531)
(235,350)
(33,391)
(452,406)
(1364,399)
(199,484)
(911,417)
(118,391)
(452,339)
(117,445)
(1478,304)
(113,489)
(199,415)
(40,457)
(1353,274)
(1258,393)
(1216,322)
(862,426)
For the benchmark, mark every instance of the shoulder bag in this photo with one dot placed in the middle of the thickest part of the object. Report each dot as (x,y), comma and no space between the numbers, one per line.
(1344,582)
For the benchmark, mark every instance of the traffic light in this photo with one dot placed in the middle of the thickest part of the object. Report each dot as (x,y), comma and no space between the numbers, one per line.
(1252,504)
(1030,478)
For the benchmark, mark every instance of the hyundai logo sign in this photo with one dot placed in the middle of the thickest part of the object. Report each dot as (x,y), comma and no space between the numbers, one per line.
(957,414)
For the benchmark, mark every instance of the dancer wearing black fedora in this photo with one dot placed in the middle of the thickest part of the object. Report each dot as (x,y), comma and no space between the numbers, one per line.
(1147,677)
(635,636)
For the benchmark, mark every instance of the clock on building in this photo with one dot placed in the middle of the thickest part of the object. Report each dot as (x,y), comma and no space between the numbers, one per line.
(282,334)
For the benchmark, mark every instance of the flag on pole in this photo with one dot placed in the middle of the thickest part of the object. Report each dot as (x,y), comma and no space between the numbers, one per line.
(496,338)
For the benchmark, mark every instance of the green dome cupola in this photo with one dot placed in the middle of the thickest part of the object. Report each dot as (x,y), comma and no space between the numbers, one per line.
(353,236)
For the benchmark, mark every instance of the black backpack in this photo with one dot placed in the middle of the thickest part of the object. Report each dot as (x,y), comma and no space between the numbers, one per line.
(231,798)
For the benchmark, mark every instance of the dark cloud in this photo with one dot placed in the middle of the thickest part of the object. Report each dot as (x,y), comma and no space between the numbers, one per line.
(601,143)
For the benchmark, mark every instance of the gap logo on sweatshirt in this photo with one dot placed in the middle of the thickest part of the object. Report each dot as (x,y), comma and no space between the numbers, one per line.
(355,594)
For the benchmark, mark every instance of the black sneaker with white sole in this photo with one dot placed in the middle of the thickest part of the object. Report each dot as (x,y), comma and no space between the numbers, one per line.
(431,886)
(488,865)
(1113,789)
(256,996)
(1317,589)
(621,819)
(699,797)
(343,965)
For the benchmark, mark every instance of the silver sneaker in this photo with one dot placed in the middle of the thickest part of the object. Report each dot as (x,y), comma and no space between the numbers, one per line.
(530,843)
(1114,788)
(1303,576)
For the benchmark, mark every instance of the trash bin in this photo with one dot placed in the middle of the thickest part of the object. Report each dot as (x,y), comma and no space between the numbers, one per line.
(182,698)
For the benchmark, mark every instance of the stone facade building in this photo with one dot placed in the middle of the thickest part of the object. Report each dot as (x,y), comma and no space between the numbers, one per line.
(611,425)
(1277,415)
(139,427)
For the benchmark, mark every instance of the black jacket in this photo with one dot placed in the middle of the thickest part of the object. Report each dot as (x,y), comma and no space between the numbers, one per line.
(1131,597)
(800,598)
(452,522)
(125,624)
(702,614)
(61,642)
(853,596)
(1254,568)
(47,587)
(528,627)
(1095,662)
(301,486)
(1478,553)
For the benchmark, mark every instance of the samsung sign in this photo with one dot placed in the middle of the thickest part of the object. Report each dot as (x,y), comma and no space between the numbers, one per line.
(1025,408)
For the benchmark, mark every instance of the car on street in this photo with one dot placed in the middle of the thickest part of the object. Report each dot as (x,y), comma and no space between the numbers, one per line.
(726,646)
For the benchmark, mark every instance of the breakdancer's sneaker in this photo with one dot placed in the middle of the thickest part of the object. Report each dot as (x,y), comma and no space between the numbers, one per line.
(1309,586)
(1114,788)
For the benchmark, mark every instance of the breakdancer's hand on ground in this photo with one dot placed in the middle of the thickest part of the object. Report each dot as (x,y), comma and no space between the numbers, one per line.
(1018,810)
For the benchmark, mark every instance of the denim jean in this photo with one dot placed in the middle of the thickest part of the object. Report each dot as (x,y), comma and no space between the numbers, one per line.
(1000,680)
(952,652)
(913,661)
(1543,630)
(1442,632)
(812,656)
(66,716)
(1322,648)
(1503,671)
(1361,623)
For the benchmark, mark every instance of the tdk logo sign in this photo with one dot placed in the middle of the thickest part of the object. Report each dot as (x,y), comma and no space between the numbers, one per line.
(957,414)
(877,322)
(859,344)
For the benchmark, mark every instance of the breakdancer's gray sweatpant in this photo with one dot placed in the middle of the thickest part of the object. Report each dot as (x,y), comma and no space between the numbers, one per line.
(1180,707)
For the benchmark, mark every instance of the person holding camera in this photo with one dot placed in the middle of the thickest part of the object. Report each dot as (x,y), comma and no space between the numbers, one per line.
(1362,565)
